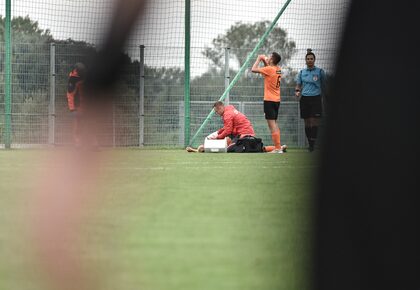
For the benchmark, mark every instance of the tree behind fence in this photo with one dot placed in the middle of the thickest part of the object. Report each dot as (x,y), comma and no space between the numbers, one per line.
(153,116)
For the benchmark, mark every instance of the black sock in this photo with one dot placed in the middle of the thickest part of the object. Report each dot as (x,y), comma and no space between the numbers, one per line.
(308,134)
(314,133)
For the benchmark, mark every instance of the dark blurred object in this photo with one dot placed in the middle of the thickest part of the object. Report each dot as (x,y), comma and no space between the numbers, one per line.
(106,65)
(66,190)
(367,216)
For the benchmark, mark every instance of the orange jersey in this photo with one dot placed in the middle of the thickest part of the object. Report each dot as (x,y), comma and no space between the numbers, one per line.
(235,123)
(272,76)
(74,91)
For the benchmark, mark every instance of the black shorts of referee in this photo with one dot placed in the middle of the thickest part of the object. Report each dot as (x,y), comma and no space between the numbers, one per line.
(310,107)
(271,110)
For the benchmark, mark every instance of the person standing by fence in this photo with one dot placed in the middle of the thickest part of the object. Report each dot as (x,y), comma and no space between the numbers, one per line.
(75,100)
(77,104)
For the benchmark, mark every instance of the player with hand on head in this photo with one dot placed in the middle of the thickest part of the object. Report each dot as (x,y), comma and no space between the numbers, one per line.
(271,73)
(310,84)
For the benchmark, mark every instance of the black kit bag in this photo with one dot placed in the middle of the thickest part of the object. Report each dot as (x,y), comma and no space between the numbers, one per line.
(247,144)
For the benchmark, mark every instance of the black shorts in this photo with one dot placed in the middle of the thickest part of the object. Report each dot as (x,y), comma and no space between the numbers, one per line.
(271,110)
(233,138)
(310,106)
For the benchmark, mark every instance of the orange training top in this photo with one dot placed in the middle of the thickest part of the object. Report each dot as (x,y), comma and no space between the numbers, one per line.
(74,91)
(272,76)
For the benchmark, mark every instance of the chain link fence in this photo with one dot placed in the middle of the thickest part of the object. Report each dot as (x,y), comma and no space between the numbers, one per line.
(149,109)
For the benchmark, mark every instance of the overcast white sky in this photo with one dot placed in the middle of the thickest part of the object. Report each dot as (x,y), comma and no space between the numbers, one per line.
(310,23)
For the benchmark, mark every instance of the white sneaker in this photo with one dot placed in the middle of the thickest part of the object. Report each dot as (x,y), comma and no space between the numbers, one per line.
(284,148)
(276,151)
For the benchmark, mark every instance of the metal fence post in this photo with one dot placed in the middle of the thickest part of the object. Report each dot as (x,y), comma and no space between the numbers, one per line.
(51,107)
(227,74)
(241,107)
(181,123)
(8,76)
(113,125)
(187,72)
(141,96)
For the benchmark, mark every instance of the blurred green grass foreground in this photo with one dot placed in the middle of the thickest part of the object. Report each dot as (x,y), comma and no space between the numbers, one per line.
(172,220)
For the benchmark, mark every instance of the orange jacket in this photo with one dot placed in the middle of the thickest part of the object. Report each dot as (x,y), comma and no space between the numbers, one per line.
(235,123)
(74,91)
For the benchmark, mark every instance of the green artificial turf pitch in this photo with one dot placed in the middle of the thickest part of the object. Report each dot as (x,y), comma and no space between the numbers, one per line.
(172,220)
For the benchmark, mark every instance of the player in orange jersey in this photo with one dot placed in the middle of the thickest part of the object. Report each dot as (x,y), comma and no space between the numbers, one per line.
(76,104)
(75,98)
(271,73)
